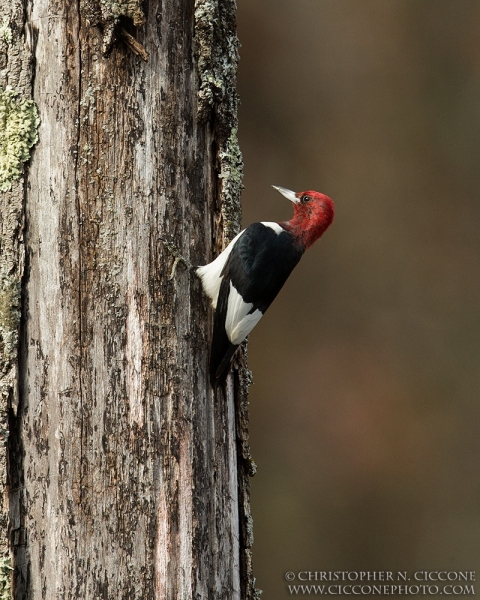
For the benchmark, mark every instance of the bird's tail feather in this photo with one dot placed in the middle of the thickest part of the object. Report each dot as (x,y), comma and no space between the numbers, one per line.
(220,374)
(222,349)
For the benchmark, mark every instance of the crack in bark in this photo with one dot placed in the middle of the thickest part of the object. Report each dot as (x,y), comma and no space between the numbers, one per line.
(80,246)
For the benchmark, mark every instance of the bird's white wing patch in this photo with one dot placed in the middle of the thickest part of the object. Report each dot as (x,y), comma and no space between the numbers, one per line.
(210,274)
(238,323)
(245,326)
(275,226)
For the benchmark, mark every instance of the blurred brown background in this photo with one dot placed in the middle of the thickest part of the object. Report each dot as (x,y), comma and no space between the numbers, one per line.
(365,411)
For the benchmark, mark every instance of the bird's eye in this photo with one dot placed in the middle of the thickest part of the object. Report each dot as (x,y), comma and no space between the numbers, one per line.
(306,198)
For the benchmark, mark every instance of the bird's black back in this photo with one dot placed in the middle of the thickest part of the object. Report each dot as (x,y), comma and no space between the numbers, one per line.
(258,266)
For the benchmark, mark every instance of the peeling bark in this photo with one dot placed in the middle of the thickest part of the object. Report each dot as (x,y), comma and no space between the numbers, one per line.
(128,479)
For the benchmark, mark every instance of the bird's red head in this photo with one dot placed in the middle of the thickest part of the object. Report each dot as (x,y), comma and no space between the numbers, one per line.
(312,215)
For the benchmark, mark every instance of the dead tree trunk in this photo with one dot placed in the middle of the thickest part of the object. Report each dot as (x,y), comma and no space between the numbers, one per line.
(127,479)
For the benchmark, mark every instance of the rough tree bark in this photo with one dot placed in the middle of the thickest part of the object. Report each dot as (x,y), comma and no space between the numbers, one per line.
(127,478)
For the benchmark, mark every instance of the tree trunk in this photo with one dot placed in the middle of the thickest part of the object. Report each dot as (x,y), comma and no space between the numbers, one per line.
(128,478)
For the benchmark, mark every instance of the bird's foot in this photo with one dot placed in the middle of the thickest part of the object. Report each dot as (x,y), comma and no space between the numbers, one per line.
(178,258)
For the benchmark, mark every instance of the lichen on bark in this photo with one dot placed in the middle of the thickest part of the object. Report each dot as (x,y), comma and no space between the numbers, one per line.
(102,11)
(231,175)
(9,314)
(19,122)
(216,48)
(5,578)
(6,31)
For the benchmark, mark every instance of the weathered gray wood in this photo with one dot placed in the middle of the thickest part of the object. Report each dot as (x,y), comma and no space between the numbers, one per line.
(129,479)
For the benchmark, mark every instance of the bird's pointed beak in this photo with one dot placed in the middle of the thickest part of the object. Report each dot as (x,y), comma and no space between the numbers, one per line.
(287,193)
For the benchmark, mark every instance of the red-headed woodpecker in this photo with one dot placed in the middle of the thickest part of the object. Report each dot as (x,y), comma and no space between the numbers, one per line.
(245,278)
